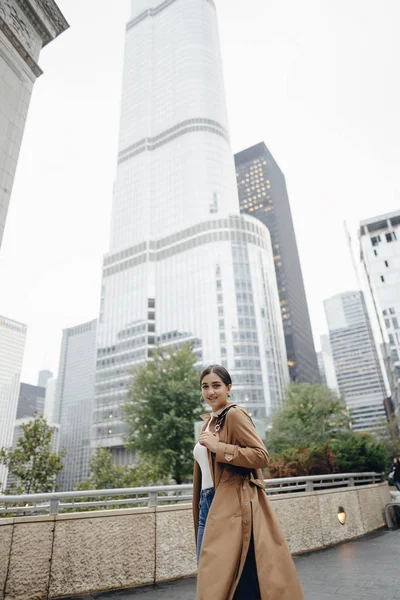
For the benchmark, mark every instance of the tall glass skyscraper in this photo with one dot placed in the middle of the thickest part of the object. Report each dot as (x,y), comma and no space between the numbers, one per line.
(73,409)
(12,347)
(358,372)
(263,194)
(183,263)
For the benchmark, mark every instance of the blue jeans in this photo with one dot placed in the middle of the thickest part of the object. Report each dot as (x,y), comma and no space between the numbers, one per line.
(206,498)
(397,484)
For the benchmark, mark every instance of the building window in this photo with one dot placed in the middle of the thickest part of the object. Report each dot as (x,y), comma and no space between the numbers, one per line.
(391,338)
(386,263)
(384,313)
(376,253)
(392,311)
(382,279)
(375,240)
(390,237)
(387,323)
(395,323)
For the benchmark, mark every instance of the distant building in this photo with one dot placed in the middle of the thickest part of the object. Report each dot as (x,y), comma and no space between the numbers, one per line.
(263,194)
(43,378)
(321,368)
(50,399)
(75,401)
(380,258)
(31,401)
(25,27)
(12,346)
(357,366)
(328,364)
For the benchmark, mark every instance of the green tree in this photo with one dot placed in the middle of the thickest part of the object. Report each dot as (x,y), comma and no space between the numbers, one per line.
(162,405)
(360,452)
(311,415)
(104,475)
(32,462)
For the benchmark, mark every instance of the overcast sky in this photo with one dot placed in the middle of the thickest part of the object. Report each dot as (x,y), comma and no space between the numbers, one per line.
(316,80)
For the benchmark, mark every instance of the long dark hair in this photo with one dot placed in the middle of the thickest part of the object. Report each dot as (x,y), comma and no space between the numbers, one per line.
(218,370)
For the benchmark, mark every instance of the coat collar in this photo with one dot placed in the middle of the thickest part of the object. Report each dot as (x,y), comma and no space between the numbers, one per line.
(209,415)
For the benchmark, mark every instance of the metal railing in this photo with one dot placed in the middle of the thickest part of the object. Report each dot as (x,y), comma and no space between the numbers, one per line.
(56,502)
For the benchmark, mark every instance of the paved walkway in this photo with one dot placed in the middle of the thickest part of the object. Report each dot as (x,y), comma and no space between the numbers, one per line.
(366,569)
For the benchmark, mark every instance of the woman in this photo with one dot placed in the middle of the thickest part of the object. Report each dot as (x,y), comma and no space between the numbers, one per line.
(241,550)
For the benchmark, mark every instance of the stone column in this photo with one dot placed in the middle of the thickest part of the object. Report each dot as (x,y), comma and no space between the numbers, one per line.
(25,27)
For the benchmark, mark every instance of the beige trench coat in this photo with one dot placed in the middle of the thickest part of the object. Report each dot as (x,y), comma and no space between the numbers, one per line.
(241,506)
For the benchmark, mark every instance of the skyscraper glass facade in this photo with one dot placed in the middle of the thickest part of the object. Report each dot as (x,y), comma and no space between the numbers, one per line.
(183,263)
(358,372)
(263,194)
(31,401)
(12,347)
(74,401)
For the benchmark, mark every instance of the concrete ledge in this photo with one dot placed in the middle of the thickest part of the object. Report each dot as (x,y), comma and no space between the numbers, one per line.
(47,557)
(30,561)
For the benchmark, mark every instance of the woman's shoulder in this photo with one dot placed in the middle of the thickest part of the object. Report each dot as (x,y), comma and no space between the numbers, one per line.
(237,413)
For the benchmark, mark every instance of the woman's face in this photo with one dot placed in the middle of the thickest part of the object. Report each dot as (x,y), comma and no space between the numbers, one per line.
(215,392)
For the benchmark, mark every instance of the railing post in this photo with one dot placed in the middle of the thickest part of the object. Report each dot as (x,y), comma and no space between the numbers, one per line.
(351,482)
(309,486)
(54,506)
(153,499)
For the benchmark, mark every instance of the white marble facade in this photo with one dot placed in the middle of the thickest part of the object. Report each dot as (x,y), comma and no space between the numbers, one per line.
(24,29)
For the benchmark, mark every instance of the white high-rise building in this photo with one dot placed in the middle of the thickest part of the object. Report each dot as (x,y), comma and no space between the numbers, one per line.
(183,263)
(50,400)
(358,372)
(327,365)
(44,377)
(380,258)
(74,401)
(12,347)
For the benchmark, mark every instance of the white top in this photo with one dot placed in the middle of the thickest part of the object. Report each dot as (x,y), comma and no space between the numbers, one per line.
(201,455)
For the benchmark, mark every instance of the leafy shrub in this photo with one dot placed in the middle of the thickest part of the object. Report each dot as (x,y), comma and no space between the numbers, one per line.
(360,452)
(298,462)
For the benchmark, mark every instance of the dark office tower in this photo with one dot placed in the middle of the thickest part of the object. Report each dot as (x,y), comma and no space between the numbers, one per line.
(31,401)
(263,194)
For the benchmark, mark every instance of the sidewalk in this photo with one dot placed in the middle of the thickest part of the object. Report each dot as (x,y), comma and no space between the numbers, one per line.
(366,569)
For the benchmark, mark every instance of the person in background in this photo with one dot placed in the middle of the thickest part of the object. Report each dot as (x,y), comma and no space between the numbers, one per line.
(396,472)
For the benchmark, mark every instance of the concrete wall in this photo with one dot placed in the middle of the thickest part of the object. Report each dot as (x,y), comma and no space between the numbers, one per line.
(51,557)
